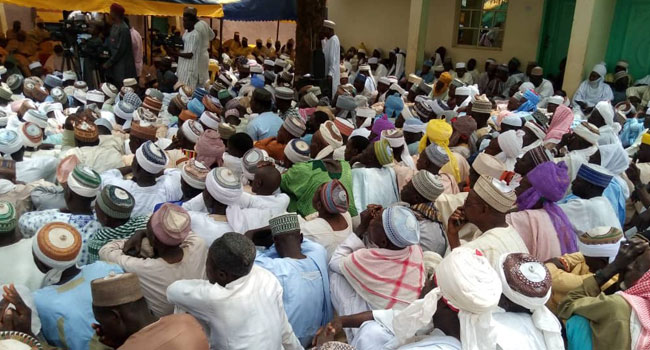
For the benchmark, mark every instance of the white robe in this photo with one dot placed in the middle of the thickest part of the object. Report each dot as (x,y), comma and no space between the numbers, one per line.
(374,186)
(332,51)
(206,36)
(255,211)
(209,227)
(586,214)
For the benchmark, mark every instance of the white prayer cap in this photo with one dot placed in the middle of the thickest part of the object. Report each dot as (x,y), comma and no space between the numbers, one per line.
(192,129)
(384,80)
(397,88)
(329,24)
(35,65)
(363,132)
(460,65)
(463,91)
(556,100)
(69,75)
(10,141)
(151,158)
(365,112)
(606,111)
(223,185)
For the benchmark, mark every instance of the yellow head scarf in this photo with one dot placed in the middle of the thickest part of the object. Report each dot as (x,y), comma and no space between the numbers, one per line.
(439,131)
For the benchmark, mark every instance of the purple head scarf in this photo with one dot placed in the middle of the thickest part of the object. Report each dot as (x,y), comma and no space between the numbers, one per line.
(380,125)
(550,182)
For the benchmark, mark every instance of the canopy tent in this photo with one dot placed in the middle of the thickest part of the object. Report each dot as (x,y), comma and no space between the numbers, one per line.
(206,8)
(261,10)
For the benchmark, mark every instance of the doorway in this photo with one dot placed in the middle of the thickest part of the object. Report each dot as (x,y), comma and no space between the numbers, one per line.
(555,35)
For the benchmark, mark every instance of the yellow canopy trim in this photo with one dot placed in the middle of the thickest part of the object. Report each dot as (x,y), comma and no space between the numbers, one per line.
(133,7)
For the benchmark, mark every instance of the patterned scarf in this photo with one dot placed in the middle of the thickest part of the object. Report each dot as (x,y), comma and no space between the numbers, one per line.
(638,296)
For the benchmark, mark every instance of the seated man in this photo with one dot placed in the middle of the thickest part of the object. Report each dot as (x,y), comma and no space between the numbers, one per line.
(182,147)
(372,182)
(238,145)
(292,127)
(240,303)
(610,316)
(592,91)
(266,201)
(333,223)
(163,253)
(80,191)
(586,207)
(64,304)
(151,183)
(301,267)
(13,146)
(125,322)
(597,248)
(208,210)
(302,180)
(387,251)
(267,123)
(602,117)
(420,194)
(486,207)
(113,209)
(16,261)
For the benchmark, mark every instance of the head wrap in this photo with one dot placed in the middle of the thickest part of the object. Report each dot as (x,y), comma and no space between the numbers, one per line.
(151,158)
(606,111)
(560,124)
(401,226)
(467,282)
(445,79)
(428,185)
(587,131)
(192,129)
(115,202)
(595,175)
(495,193)
(284,223)
(224,186)
(395,138)
(210,148)
(549,182)
(394,106)
(334,197)
(36,117)
(8,217)
(614,158)
(297,151)
(58,246)
(332,136)
(10,141)
(600,242)
(31,134)
(380,125)
(511,143)
(116,289)
(439,131)
(527,282)
(84,181)
(170,224)
(532,99)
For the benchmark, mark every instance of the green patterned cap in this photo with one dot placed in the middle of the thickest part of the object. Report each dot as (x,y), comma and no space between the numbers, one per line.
(7,217)
(285,223)
(383,152)
(116,202)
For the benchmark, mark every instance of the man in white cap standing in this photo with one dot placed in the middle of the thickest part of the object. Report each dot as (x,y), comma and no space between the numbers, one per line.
(332,51)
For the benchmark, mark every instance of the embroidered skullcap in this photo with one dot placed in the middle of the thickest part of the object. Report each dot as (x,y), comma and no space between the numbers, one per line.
(84,181)
(194,174)
(334,197)
(284,223)
(297,151)
(482,105)
(600,242)
(5,92)
(414,79)
(487,165)
(116,289)
(539,155)
(401,226)
(284,93)
(495,193)
(210,148)
(588,132)
(7,217)
(192,129)
(36,117)
(130,82)
(69,75)
(186,115)
(145,115)
(195,106)
(86,131)
(311,100)
(52,80)
(295,126)
(595,174)
(179,101)
(143,130)
(224,186)
(133,99)
(109,90)
(115,202)
(383,152)
(15,82)
(344,126)
(10,141)
(249,162)
(31,134)
(428,185)
(152,104)
(211,104)
(436,155)
(95,96)
(199,93)
(226,130)
(536,129)
(59,95)
(170,224)
(151,158)
(124,110)
(57,245)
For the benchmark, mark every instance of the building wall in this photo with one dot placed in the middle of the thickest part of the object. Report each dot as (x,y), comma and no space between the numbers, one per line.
(376,23)
(601,24)
(523,25)
(19,13)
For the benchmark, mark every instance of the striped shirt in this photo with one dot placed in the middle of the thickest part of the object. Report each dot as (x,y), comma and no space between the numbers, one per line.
(188,68)
(107,234)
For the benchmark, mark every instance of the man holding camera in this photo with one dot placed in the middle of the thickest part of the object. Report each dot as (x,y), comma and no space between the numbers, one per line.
(120,64)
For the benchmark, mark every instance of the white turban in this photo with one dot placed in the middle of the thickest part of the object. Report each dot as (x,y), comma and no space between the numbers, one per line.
(468,282)
(587,134)
(511,143)
(600,69)
(331,134)
(558,100)
(606,111)
(542,317)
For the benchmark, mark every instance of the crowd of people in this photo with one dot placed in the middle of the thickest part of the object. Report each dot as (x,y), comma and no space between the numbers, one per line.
(376,209)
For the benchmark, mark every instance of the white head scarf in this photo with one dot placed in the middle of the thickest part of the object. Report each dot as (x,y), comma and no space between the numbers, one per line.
(511,143)
(468,282)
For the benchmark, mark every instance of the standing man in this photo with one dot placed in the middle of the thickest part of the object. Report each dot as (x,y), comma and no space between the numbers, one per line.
(188,60)
(138,50)
(206,35)
(121,64)
(332,51)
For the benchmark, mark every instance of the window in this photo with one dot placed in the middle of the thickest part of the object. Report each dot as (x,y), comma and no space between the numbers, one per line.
(481,22)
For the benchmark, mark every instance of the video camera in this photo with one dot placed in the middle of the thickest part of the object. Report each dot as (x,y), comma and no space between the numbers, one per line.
(160,39)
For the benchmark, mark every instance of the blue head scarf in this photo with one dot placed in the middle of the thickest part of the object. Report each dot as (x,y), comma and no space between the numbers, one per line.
(532,99)
(394,106)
